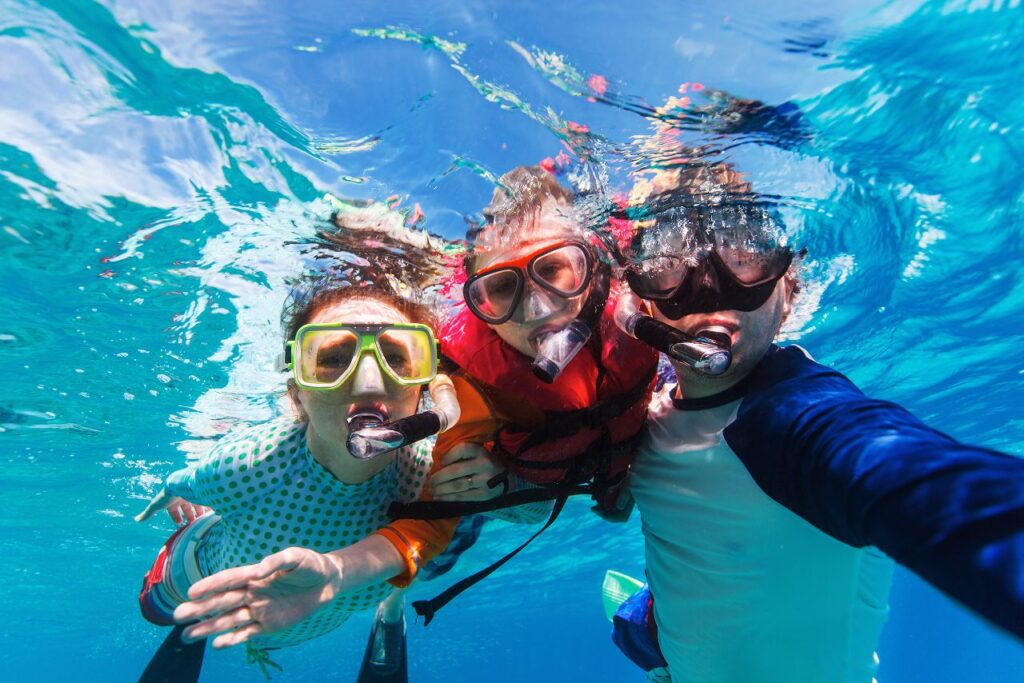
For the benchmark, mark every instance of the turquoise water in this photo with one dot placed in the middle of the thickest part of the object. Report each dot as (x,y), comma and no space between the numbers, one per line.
(160,168)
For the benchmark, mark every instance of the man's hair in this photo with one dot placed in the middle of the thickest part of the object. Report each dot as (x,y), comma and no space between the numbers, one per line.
(714,190)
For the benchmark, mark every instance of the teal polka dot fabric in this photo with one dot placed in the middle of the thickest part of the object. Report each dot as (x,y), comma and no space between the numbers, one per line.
(272,494)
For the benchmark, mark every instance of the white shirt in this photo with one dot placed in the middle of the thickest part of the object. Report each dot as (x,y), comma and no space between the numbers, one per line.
(745,591)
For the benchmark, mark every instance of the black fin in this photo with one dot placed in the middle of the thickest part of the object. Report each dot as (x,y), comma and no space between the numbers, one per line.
(175,661)
(370,672)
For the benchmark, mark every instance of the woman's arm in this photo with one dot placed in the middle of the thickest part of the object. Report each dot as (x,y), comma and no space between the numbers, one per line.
(286,587)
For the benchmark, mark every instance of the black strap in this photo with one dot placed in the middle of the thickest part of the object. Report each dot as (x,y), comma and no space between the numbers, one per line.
(736,391)
(428,608)
(443,509)
(561,425)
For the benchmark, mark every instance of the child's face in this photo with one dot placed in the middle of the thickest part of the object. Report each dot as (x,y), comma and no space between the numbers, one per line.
(539,312)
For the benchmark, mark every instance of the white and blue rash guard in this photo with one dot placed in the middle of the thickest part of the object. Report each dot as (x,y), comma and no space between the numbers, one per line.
(762,511)
(869,473)
(271,494)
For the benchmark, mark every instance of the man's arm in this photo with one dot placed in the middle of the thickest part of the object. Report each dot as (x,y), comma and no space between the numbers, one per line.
(867,472)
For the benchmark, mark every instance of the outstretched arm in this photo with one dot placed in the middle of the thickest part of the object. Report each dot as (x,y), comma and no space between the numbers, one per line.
(868,472)
(244,602)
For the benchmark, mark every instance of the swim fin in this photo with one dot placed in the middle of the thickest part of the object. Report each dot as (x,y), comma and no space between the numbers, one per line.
(386,659)
(175,661)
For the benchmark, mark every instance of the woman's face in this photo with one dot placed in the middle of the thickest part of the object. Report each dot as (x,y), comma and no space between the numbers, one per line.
(369,390)
(539,312)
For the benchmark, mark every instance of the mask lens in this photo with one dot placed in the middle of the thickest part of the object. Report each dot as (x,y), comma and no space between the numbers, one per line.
(327,357)
(408,354)
(751,266)
(564,271)
(492,296)
(657,277)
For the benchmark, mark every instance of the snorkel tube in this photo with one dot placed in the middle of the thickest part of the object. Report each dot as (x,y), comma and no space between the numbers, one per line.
(709,354)
(556,350)
(372,440)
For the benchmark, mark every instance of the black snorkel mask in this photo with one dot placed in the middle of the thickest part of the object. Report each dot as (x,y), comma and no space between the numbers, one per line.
(706,259)
(711,284)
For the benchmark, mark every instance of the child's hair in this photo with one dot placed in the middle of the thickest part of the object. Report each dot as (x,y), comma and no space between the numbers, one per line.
(309,296)
(519,197)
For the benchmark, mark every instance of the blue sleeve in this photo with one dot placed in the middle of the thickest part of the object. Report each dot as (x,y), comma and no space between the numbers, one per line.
(867,472)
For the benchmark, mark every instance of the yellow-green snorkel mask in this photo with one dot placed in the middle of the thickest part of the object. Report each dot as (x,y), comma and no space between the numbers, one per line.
(323,356)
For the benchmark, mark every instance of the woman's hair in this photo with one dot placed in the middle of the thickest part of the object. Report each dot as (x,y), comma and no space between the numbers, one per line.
(309,296)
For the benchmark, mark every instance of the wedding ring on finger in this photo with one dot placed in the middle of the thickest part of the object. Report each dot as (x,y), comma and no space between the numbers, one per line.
(469,481)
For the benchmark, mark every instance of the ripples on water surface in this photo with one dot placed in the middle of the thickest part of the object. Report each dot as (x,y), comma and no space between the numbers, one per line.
(161,165)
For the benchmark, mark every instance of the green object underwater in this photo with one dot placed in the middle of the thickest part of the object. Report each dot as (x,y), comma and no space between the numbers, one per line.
(616,589)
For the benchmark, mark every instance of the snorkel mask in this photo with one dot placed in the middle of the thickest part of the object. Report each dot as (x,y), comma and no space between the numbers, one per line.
(325,356)
(564,270)
(706,259)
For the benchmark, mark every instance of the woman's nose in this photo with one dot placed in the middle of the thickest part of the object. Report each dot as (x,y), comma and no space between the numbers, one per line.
(368,379)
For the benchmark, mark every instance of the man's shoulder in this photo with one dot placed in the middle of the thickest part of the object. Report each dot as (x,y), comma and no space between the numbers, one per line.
(791,372)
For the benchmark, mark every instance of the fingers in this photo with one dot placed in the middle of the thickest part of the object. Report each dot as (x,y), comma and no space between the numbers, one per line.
(215,604)
(463,451)
(176,514)
(160,501)
(452,474)
(237,637)
(241,577)
(229,621)
(191,512)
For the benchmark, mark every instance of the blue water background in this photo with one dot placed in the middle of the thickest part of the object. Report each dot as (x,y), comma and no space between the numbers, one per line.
(158,159)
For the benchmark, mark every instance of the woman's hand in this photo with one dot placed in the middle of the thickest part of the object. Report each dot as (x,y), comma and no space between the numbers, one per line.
(180,510)
(466,470)
(259,599)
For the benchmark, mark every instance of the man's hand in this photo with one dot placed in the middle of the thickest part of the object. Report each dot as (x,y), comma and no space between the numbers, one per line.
(467,469)
(260,599)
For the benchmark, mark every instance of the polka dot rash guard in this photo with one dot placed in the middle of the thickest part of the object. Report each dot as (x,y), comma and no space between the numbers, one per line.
(272,494)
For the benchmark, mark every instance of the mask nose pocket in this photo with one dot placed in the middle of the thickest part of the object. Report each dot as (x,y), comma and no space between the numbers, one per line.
(538,304)
(705,278)
(368,377)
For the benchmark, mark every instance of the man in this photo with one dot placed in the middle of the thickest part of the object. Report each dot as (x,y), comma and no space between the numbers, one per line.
(767,492)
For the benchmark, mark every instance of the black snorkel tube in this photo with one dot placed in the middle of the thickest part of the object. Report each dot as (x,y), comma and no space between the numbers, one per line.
(709,355)
(376,439)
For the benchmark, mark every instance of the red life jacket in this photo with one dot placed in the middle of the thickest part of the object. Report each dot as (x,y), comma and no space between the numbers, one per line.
(599,400)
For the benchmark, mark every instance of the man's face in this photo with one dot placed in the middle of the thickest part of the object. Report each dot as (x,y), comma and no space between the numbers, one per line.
(751,332)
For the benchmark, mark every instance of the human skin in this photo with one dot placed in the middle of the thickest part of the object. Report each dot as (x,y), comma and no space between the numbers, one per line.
(539,311)
(327,412)
(243,602)
(751,332)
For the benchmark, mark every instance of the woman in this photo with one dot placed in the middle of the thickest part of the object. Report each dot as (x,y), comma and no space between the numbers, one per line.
(358,356)
(519,433)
